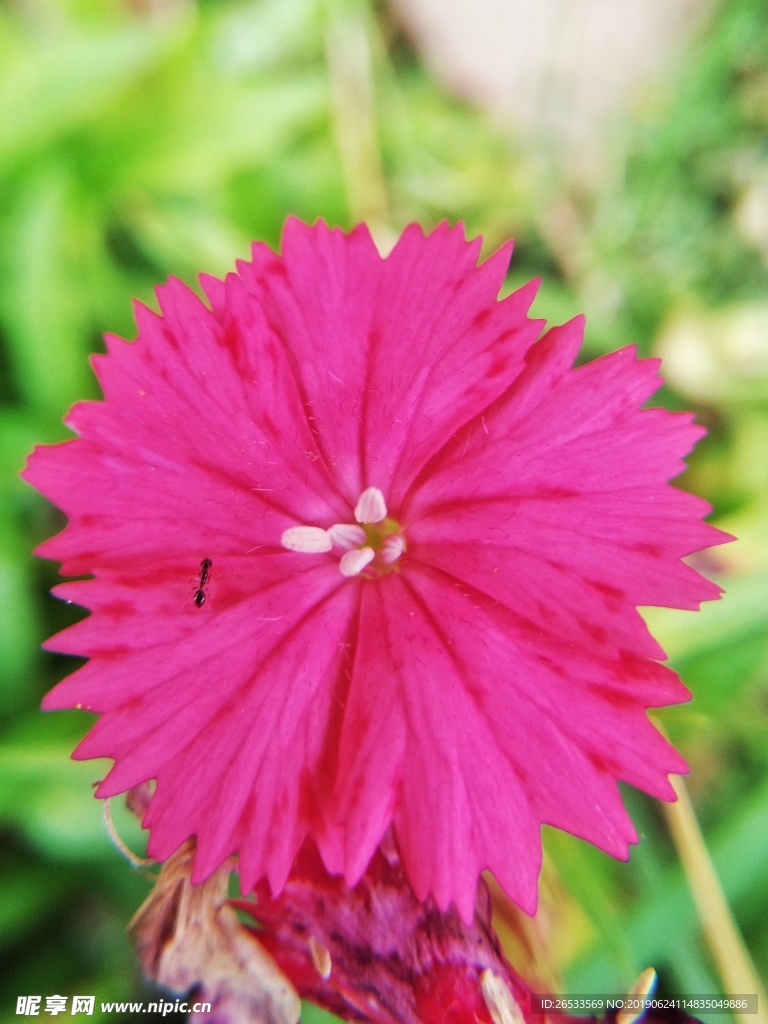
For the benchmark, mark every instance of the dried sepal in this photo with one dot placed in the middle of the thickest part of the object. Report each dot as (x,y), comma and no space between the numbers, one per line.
(188,937)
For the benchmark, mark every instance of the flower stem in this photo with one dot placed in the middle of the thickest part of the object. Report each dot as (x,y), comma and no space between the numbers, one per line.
(350,71)
(720,931)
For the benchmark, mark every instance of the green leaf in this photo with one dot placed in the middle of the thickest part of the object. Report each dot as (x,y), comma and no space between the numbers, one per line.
(42,293)
(53,84)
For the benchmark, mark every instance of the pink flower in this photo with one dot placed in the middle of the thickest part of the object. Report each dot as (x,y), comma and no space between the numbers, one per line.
(365,552)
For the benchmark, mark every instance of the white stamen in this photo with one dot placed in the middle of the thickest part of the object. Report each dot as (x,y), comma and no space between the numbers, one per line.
(310,539)
(371,507)
(353,562)
(347,535)
(393,547)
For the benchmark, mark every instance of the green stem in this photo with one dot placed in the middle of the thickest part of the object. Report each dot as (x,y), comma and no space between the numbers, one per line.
(350,71)
(718,926)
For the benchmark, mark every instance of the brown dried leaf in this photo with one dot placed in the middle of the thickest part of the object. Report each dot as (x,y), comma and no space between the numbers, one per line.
(187,936)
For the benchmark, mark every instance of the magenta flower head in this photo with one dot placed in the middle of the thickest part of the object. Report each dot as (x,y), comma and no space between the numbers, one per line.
(365,554)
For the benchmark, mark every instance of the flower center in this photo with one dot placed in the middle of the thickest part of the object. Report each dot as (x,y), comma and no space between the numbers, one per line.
(374,542)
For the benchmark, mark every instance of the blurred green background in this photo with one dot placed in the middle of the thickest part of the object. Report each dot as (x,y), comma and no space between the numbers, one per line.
(140,140)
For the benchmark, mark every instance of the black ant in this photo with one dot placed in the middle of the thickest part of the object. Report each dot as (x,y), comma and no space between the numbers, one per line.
(205,572)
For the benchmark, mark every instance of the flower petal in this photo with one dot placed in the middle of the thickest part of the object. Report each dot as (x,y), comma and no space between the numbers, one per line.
(510,734)
(575,527)
(245,758)
(203,439)
(394,353)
